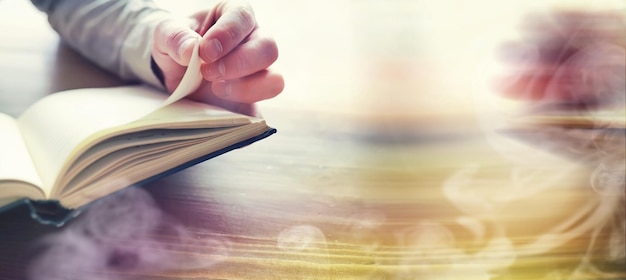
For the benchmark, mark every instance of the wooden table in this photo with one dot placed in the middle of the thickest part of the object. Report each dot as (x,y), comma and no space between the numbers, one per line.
(386,166)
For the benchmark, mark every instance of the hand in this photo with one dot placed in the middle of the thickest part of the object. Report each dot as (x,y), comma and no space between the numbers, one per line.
(236,56)
(571,57)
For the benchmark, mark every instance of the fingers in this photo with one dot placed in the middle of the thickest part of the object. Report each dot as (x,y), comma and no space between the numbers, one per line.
(205,94)
(172,49)
(234,21)
(256,54)
(262,85)
(175,38)
(527,86)
(235,55)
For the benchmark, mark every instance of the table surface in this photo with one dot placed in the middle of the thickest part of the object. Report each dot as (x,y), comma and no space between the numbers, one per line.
(388,164)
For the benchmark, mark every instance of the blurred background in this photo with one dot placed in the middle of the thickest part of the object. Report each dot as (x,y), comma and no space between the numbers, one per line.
(390,161)
(402,57)
(385,58)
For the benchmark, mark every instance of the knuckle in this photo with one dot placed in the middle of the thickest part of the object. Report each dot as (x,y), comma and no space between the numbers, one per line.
(246,15)
(245,23)
(241,62)
(168,34)
(233,34)
(269,50)
(172,40)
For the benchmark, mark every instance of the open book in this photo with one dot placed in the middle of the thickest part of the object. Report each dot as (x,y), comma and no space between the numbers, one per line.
(80,145)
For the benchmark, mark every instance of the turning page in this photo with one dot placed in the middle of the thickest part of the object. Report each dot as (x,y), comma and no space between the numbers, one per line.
(58,124)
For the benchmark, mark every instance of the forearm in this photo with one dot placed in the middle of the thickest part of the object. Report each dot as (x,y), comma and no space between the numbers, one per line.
(116,35)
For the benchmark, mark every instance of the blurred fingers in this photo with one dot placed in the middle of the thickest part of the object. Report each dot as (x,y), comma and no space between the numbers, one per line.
(256,54)
(259,86)
(205,94)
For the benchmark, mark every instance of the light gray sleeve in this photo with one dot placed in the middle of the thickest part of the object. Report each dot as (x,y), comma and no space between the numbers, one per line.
(116,35)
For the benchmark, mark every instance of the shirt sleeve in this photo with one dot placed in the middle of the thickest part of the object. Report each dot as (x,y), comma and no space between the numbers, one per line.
(116,35)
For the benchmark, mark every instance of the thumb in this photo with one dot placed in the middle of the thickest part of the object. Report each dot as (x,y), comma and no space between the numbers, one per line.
(176,39)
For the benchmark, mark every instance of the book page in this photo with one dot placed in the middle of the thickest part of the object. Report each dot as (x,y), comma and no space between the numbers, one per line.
(58,123)
(192,114)
(131,142)
(15,162)
(191,79)
(58,126)
(121,168)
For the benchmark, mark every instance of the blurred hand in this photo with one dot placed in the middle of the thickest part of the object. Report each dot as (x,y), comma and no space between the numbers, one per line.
(236,56)
(568,57)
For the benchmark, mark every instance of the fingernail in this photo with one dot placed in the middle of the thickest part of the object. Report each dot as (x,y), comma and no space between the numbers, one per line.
(223,88)
(213,50)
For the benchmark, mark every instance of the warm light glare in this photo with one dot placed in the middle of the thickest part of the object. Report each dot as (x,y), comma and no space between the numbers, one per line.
(440,185)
